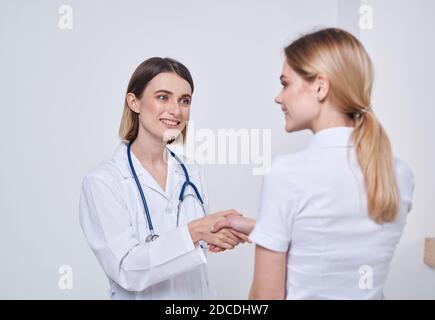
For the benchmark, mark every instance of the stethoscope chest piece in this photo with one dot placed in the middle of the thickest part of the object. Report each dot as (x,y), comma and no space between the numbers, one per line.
(151,237)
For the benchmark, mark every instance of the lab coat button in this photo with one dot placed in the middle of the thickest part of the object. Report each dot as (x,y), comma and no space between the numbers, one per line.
(168,210)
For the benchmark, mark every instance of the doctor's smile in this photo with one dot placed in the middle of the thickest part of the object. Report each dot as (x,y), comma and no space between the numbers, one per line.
(170,123)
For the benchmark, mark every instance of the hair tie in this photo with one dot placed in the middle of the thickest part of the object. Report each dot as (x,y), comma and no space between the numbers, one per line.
(365,110)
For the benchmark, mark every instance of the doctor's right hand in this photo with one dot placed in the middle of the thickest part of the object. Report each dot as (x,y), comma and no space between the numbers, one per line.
(200,229)
(240,224)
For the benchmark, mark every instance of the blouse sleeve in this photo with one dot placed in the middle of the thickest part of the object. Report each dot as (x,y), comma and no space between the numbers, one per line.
(278,207)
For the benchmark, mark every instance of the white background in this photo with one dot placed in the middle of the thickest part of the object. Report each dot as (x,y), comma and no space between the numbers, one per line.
(61,100)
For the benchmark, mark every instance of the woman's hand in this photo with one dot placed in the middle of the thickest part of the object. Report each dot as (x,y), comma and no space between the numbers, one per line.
(200,229)
(237,224)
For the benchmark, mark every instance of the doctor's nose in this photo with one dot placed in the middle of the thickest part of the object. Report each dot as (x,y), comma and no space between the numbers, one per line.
(174,108)
(278,99)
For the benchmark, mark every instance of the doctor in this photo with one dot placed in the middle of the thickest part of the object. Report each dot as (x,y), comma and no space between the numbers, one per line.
(143,210)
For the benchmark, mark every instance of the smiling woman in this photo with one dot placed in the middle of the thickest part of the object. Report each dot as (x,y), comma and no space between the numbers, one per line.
(157,75)
(344,191)
(147,248)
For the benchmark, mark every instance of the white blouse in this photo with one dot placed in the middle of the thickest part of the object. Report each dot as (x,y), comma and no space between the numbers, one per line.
(113,220)
(313,206)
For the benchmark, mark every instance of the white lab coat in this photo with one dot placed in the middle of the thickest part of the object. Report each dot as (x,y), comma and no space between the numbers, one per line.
(113,220)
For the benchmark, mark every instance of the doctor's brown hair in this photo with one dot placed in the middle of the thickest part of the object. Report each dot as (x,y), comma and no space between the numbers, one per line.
(144,73)
(341,57)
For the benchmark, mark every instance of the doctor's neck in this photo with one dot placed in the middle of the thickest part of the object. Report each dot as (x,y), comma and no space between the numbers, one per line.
(149,148)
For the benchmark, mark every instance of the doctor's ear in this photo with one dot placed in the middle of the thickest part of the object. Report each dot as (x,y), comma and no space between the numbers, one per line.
(321,85)
(132,102)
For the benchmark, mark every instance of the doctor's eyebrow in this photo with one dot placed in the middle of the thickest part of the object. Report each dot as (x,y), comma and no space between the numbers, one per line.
(170,93)
(283,77)
(163,91)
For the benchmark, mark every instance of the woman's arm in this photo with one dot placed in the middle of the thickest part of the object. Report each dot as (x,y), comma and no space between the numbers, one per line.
(239,225)
(269,275)
(236,222)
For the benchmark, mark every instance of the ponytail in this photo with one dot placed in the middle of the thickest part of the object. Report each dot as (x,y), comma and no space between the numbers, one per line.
(374,154)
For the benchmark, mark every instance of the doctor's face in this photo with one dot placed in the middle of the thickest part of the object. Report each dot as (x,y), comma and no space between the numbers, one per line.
(164,107)
(298,100)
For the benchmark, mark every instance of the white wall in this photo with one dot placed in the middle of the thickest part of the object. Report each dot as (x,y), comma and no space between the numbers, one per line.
(61,100)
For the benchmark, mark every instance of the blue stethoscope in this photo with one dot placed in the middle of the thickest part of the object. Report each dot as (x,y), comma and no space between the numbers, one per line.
(153,236)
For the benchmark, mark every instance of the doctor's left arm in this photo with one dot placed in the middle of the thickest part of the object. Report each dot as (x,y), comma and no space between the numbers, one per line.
(133,265)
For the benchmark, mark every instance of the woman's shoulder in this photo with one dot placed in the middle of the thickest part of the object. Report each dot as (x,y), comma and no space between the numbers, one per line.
(104,173)
(291,162)
(287,169)
(109,169)
(404,173)
(403,168)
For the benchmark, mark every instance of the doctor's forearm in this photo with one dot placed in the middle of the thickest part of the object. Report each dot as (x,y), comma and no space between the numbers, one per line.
(195,231)
(198,230)
(145,265)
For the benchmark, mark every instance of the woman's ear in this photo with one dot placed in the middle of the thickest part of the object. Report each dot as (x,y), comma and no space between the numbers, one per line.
(132,102)
(322,87)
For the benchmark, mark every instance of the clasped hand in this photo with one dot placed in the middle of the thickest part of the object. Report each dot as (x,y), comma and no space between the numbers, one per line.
(222,231)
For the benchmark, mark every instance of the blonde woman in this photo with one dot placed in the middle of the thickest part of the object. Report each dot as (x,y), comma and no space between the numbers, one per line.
(331,215)
(143,211)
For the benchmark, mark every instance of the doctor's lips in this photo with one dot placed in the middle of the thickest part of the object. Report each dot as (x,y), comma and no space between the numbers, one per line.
(170,123)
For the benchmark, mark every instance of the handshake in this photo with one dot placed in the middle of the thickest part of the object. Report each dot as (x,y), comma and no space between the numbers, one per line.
(222,230)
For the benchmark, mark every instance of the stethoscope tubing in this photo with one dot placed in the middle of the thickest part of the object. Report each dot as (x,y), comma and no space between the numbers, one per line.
(152,236)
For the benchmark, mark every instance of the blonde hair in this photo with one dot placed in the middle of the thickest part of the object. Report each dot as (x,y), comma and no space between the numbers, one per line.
(144,73)
(341,57)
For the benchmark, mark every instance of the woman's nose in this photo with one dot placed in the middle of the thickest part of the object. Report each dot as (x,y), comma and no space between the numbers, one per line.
(174,108)
(278,99)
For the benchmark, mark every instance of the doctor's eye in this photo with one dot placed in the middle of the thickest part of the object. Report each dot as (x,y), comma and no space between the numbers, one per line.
(162,97)
(284,84)
(185,101)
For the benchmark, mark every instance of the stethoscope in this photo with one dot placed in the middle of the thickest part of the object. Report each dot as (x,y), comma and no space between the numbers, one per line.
(153,236)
